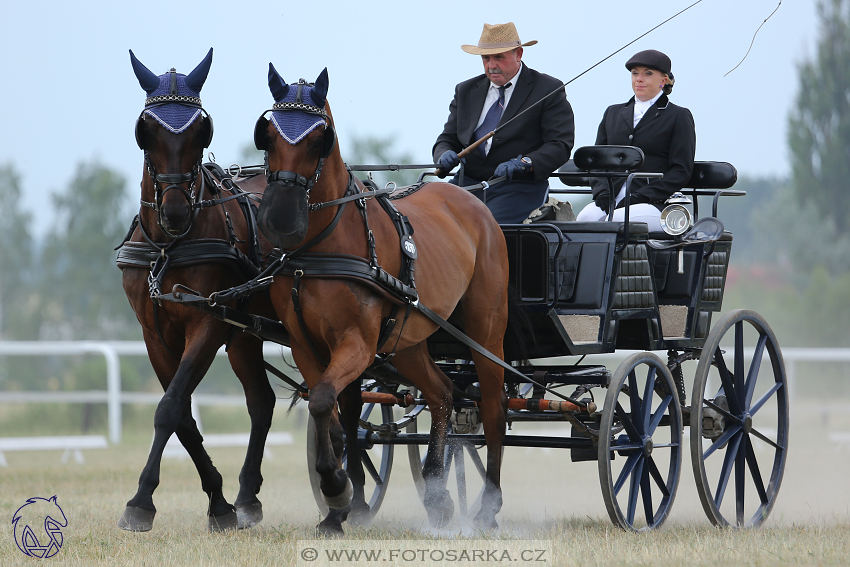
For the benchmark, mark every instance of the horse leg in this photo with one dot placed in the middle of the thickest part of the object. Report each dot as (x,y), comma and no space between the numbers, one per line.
(486,325)
(415,362)
(351,406)
(173,414)
(246,359)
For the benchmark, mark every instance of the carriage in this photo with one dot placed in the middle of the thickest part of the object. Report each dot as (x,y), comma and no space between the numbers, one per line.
(591,289)
(363,333)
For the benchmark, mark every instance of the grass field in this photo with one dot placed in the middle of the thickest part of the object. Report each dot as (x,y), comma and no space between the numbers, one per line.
(546,498)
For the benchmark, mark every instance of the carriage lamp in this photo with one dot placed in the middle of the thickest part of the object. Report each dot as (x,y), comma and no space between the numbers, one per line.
(676,219)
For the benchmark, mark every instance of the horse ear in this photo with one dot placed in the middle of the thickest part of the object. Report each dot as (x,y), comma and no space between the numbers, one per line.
(277,85)
(195,80)
(319,93)
(147,79)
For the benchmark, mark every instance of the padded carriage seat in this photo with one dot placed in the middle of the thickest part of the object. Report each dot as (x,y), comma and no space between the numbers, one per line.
(618,159)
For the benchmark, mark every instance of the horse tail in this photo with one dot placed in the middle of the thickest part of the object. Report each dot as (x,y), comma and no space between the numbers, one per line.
(519,332)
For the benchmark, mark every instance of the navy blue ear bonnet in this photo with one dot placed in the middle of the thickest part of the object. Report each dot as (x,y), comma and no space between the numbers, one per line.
(298,110)
(173,98)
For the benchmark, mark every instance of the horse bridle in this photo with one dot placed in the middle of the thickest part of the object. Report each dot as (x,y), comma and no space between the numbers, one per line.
(328,141)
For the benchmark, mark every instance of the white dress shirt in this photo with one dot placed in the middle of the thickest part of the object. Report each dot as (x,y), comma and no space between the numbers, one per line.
(641,107)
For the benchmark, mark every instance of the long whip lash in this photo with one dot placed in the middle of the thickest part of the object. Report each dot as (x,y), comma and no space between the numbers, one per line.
(486,137)
(754,37)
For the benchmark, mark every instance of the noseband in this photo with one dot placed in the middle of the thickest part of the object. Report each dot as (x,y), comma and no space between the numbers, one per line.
(174,181)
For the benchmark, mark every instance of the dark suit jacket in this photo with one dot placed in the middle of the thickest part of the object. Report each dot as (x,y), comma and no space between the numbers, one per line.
(545,133)
(667,137)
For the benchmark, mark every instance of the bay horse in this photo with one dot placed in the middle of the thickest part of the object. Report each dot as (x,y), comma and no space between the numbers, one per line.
(195,230)
(337,321)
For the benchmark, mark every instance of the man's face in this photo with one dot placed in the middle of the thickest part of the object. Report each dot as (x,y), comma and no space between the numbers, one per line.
(501,67)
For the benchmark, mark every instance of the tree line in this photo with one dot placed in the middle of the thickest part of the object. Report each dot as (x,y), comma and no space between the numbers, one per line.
(795,230)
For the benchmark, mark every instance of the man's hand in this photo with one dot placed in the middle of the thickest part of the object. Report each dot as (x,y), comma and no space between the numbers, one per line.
(512,167)
(447,162)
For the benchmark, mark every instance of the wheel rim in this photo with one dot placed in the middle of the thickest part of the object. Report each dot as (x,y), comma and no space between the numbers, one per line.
(642,428)
(739,468)
(377,461)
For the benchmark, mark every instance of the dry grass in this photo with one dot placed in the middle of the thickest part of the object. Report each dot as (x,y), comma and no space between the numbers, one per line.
(546,498)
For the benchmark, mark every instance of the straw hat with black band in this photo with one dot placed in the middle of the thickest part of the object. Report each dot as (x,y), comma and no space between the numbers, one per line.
(497,38)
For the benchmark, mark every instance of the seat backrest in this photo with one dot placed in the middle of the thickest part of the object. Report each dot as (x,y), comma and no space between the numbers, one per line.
(712,175)
(599,158)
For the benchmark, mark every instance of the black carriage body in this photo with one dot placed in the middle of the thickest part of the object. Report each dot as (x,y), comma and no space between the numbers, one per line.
(586,290)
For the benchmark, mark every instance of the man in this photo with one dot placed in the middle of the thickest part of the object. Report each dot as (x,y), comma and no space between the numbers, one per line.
(529,148)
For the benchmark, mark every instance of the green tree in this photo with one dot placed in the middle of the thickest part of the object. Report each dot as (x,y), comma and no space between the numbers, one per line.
(819,126)
(81,294)
(16,260)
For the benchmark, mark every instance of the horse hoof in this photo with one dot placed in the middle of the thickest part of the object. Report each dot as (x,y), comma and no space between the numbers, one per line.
(249,515)
(486,524)
(223,523)
(440,509)
(329,530)
(136,519)
(360,515)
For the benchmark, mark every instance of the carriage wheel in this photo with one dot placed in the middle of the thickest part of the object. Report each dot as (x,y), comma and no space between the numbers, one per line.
(739,431)
(640,443)
(460,458)
(377,462)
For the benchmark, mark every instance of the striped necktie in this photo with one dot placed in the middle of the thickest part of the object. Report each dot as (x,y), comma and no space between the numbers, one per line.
(491,120)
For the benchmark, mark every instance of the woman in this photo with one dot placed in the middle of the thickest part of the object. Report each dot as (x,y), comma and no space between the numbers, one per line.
(665,132)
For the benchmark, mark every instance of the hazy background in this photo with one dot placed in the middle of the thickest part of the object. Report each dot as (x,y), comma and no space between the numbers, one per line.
(70,93)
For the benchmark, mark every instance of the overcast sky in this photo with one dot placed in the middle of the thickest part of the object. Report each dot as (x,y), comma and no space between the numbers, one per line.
(70,94)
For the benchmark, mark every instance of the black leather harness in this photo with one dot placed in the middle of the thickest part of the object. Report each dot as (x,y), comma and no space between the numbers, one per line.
(158,258)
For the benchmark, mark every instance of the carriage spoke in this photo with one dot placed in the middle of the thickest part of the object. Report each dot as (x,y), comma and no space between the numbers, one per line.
(721,411)
(754,371)
(370,467)
(367,411)
(757,406)
(647,400)
(762,436)
(740,463)
(726,469)
(476,460)
(460,476)
(753,464)
(635,403)
(724,437)
(629,425)
(739,364)
(726,381)
(656,476)
(627,470)
(659,414)
(633,491)
(646,492)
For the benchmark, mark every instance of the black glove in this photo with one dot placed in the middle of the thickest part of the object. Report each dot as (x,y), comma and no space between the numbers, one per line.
(447,162)
(512,167)
(635,199)
(602,200)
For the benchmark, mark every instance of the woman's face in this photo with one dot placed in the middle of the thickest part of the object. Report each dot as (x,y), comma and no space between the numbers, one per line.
(647,82)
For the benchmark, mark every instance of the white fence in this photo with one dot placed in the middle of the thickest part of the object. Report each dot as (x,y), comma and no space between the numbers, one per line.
(114,397)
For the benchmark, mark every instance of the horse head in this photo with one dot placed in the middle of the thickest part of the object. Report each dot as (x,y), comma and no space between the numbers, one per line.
(173,130)
(297,137)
